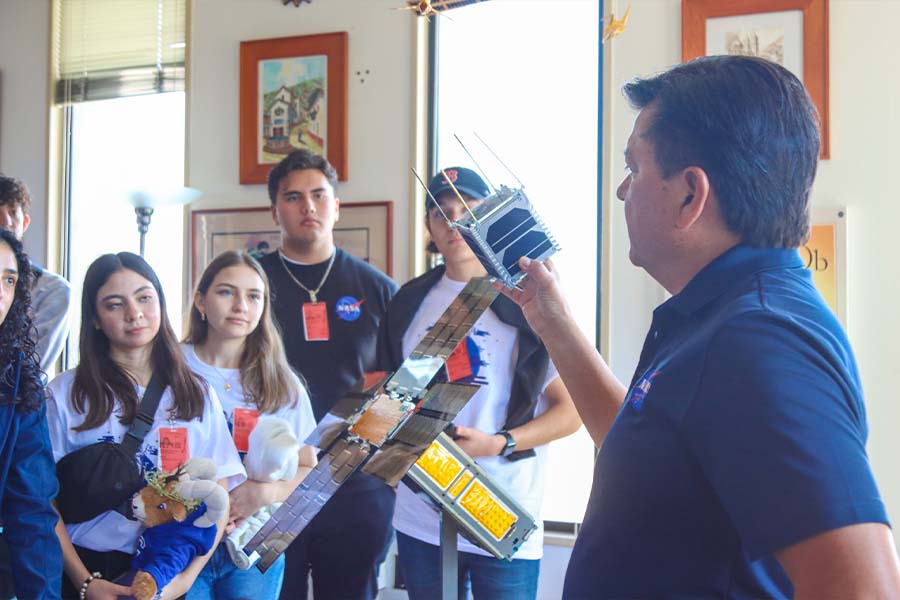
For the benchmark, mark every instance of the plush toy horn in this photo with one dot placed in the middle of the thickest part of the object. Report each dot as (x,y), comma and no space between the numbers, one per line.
(210,492)
(200,468)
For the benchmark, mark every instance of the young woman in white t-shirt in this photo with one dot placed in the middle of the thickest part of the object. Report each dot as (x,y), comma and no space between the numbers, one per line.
(125,338)
(233,343)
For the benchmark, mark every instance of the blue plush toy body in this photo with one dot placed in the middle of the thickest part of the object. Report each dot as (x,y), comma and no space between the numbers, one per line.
(180,510)
(165,550)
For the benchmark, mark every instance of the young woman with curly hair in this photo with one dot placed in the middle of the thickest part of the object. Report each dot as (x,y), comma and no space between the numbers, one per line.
(27,475)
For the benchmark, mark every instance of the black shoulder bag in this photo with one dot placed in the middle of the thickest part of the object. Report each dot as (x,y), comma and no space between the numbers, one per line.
(105,475)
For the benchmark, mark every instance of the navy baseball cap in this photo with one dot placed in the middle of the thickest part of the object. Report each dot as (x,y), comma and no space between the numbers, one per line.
(466,181)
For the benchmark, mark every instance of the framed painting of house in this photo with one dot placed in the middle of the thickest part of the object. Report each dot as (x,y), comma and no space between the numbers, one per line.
(792,33)
(293,95)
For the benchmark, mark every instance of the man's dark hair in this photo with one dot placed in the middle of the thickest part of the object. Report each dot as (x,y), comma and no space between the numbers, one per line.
(14,192)
(750,125)
(296,161)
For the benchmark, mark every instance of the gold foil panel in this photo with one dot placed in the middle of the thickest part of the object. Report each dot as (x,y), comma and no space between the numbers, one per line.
(440,465)
(460,484)
(487,510)
(379,419)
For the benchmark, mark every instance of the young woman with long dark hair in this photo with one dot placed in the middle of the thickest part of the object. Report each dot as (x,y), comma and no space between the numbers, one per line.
(125,339)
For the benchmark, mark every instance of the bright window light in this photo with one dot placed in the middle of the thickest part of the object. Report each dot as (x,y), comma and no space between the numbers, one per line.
(119,145)
(522,75)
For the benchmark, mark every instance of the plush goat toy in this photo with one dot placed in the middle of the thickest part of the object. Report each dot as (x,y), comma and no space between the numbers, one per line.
(180,511)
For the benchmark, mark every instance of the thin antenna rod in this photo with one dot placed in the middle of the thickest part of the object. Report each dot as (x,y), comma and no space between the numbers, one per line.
(475,162)
(427,191)
(458,195)
(521,185)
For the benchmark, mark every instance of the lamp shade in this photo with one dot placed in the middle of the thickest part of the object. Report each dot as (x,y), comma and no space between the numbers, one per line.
(151,197)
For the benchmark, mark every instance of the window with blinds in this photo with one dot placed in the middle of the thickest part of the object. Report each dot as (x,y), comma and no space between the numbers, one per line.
(112,48)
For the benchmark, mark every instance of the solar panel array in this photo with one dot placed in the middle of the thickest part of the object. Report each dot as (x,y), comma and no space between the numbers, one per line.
(386,429)
(503,228)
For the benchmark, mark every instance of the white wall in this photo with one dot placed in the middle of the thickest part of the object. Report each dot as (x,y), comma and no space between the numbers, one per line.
(865,127)
(381,40)
(24,106)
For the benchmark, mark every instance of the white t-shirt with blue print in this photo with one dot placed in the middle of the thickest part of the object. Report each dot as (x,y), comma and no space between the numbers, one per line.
(300,417)
(207,438)
(493,348)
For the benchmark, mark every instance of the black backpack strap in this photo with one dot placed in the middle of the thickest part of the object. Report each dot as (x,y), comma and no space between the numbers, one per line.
(143,421)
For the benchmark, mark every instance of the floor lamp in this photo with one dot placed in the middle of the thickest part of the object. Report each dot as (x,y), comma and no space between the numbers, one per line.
(145,200)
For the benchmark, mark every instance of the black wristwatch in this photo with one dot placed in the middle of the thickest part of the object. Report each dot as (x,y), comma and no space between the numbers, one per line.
(510,446)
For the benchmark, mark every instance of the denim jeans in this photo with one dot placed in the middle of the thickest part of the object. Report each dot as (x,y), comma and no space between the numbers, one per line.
(220,579)
(486,577)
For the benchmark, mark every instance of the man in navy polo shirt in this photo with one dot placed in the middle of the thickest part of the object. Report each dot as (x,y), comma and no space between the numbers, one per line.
(734,465)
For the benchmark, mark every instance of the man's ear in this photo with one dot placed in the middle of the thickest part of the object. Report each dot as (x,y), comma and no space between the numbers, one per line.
(26,221)
(337,209)
(696,190)
(275,216)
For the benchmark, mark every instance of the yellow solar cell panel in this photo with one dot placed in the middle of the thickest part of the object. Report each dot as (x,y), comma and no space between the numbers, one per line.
(440,465)
(487,510)
(460,484)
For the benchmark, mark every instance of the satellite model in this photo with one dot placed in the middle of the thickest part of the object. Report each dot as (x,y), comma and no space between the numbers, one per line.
(394,428)
(501,228)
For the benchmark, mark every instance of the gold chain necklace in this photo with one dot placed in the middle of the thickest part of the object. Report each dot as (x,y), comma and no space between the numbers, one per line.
(225,380)
(312,293)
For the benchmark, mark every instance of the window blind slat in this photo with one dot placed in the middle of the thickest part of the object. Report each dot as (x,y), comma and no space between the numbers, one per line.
(112,48)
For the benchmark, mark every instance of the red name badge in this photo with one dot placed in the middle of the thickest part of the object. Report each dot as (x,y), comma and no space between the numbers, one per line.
(173,447)
(458,364)
(315,322)
(244,422)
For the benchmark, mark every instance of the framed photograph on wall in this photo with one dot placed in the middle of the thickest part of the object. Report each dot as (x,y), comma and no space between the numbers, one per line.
(363,229)
(293,95)
(792,33)
(825,254)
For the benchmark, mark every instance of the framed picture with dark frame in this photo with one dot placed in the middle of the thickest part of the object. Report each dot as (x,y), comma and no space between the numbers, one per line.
(293,95)
(793,33)
(364,229)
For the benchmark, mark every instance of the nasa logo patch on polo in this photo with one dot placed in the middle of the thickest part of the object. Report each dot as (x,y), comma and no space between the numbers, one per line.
(640,390)
(348,308)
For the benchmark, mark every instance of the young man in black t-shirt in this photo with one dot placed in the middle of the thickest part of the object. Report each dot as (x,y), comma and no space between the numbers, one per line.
(328,304)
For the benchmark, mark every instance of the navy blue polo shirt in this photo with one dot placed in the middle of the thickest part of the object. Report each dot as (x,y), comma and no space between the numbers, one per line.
(743,432)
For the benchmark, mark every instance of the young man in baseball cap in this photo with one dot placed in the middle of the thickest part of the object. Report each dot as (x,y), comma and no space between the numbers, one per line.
(521,406)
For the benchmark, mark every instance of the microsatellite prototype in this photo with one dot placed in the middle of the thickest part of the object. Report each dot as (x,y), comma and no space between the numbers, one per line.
(395,427)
